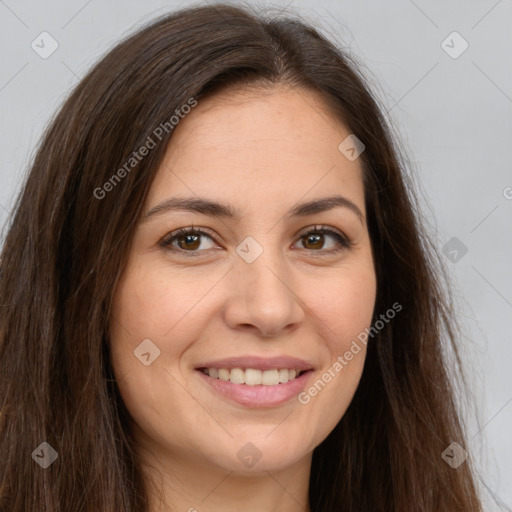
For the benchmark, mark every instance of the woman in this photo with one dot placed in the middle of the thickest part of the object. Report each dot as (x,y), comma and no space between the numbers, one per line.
(217,293)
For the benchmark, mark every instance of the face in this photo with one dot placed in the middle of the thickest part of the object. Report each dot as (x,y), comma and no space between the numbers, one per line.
(210,325)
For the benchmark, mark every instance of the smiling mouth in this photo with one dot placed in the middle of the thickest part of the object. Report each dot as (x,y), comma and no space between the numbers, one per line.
(253,376)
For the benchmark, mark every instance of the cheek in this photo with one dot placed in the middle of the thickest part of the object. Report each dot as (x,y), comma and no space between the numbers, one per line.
(345,306)
(150,306)
(344,310)
(154,305)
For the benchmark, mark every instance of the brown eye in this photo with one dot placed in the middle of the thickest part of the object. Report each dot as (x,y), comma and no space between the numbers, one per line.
(315,240)
(189,240)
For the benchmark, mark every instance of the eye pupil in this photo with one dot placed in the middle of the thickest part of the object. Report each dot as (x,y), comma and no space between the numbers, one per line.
(315,240)
(189,238)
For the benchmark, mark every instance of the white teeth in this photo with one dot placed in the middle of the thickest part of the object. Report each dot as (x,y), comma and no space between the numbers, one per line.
(253,376)
(223,374)
(270,378)
(237,376)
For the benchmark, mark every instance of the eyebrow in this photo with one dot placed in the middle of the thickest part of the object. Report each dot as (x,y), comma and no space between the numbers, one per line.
(214,209)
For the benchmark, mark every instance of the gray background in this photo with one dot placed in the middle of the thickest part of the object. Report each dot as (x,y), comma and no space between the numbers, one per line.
(452,115)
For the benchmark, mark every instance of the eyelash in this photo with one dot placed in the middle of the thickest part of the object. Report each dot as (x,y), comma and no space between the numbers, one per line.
(343,241)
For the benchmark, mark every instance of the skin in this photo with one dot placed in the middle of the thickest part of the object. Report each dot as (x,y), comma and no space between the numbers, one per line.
(262,152)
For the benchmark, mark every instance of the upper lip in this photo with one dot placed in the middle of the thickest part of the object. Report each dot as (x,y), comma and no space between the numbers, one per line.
(258,362)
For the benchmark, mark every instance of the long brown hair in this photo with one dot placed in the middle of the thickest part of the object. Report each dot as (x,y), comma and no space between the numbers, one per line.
(66,247)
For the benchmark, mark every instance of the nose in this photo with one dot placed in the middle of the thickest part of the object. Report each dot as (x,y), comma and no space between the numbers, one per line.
(262,297)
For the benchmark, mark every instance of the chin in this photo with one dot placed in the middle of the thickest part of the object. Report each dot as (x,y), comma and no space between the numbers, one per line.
(259,455)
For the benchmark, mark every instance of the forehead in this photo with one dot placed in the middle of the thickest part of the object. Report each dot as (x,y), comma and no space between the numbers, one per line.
(235,118)
(256,145)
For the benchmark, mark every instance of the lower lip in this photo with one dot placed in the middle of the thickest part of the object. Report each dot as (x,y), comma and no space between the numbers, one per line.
(258,396)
